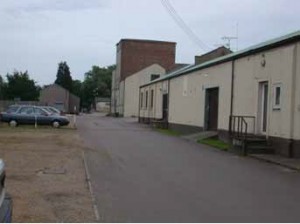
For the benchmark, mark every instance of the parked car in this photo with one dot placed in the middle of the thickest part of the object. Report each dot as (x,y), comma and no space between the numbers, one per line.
(27,114)
(5,199)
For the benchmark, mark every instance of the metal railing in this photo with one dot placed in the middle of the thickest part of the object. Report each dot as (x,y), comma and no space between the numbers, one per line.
(241,127)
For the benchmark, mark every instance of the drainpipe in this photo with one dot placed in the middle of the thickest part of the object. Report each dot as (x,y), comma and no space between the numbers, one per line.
(293,89)
(232,93)
(168,103)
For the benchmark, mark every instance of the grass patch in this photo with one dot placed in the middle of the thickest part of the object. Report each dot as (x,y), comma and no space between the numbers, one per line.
(215,142)
(168,132)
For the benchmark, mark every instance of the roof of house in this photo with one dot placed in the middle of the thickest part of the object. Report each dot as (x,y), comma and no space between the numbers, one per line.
(59,86)
(289,38)
(217,49)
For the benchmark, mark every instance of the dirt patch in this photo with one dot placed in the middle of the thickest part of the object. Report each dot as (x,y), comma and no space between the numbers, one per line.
(45,175)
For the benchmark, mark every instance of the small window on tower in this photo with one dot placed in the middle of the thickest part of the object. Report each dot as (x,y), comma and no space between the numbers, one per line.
(154,76)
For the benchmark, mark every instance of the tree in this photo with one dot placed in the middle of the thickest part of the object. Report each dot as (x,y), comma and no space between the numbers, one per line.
(19,85)
(97,83)
(77,88)
(63,76)
(2,88)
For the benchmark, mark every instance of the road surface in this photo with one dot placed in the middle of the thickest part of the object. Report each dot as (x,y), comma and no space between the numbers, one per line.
(141,175)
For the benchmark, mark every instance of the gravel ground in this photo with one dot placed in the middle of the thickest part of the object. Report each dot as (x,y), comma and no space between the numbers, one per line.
(46,175)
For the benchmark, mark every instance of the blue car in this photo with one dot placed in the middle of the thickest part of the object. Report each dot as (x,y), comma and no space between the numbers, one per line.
(27,114)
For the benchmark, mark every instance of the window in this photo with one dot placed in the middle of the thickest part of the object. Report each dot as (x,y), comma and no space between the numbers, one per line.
(147,99)
(26,110)
(277,97)
(141,100)
(39,111)
(152,96)
(154,76)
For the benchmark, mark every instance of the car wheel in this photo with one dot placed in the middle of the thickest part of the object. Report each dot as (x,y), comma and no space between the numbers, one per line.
(55,124)
(13,123)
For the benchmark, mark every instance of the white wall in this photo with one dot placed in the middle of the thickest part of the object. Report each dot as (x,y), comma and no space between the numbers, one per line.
(187,96)
(249,72)
(132,85)
(296,126)
(159,89)
(187,92)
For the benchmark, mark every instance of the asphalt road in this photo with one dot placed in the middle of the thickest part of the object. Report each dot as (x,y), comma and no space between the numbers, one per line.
(140,175)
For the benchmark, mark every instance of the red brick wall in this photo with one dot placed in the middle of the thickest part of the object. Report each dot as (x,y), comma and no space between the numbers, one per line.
(137,55)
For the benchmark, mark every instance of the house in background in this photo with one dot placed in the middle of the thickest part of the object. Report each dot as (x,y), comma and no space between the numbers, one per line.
(102,104)
(133,57)
(250,94)
(60,98)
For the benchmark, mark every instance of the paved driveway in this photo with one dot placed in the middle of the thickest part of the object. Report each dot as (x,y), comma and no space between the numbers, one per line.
(140,175)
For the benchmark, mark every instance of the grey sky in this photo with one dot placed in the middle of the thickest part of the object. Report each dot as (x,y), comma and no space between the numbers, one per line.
(37,34)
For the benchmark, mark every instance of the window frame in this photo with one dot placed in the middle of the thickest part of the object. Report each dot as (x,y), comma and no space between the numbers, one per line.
(154,77)
(142,100)
(24,110)
(151,98)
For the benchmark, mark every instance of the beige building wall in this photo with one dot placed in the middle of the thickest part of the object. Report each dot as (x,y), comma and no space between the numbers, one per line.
(278,66)
(116,85)
(187,96)
(120,98)
(113,97)
(296,126)
(132,86)
(278,70)
(154,112)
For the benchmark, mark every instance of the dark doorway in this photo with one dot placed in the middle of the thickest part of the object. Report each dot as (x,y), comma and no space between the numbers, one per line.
(165,107)
(211,109)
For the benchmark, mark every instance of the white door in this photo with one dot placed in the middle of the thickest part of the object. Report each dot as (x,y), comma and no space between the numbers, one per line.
(263,107)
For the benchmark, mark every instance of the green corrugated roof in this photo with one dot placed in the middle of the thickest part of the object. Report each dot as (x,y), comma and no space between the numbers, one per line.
(250,50)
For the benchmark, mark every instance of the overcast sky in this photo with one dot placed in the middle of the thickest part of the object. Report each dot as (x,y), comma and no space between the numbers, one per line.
(37,34)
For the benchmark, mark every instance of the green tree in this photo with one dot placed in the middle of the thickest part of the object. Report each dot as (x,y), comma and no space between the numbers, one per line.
(2,88)
(97,83)
(19,85)
(63,76)
(77,88)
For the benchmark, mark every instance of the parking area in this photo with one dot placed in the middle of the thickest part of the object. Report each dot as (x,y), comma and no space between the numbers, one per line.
(45,174)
